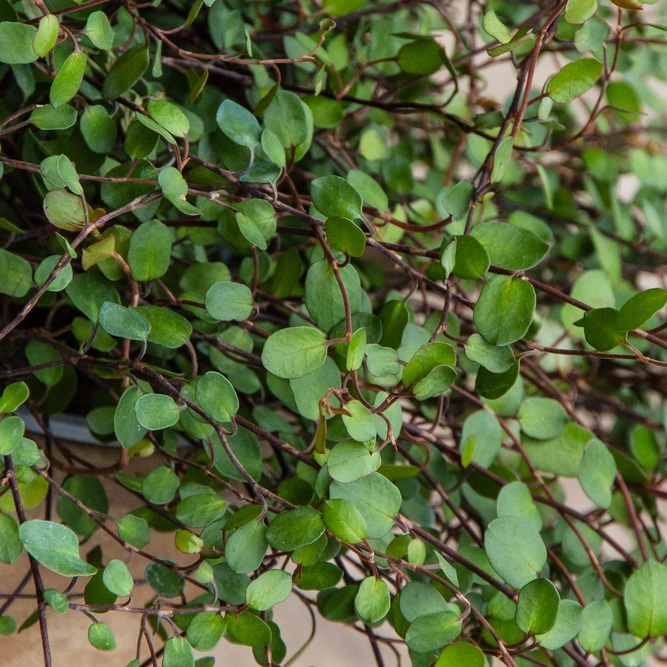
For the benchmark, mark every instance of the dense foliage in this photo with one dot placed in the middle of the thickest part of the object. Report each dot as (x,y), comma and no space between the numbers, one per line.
(359,281)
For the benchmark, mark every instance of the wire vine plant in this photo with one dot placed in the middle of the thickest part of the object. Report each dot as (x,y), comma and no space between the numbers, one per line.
(357,298)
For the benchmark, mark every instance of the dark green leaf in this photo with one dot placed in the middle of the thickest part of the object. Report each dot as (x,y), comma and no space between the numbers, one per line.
(125,72)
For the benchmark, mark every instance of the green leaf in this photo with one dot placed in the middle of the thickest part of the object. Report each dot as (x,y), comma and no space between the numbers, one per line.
(356,350)
(239,124)
(495,27)
(187,542)
(48,118)
(11,432)
(248,629)
(294,352)
(372,601)
(177,653)
(11,547)
(350,460)
(596,624)
(438,380)
(101,636)
(644,597)
(170,117)
(319,577)
(163,581)
(90,491)
(382,361)
(286,118)
(579,11)
(342,7)
(515,550)
(215,394)
(57,601)
(344,520)
(156,411)
(515,499)
(59,171)
(16,43)
(41,353)
(89,292)
(510,247)
(333,196)
(574,80)
(375,497)
(502,158)
(360,423)
(123,322)
(487,433)
(99,31)
(272,146)
(7,625)
(369,189)
(504,310)
(645,447)
(495,358)
(641,308)
(200,510)
(427,357)
(566,628)
(172,182)
(140,140)
(117,578)
(227,301)
(55,546)
(126,427)
(461,654)
(597,472)
(602,328)
(168,328)
(447,255)
(416,552)
(537,607)
(422,56)
(246,548)
(394,316)
(268,590)
(149,254)
(542,418)
(345,236)
(292,529)
(134,530)
(125,72)
(256,221)
(68,80)
(45,269)
(206,630)
(419,599)
(433,631)
(16,273)
(47,35)
(160,485)
(13,396)
(324,299)
(458,199)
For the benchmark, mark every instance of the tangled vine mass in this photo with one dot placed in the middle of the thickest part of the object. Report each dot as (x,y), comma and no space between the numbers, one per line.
(362,304)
